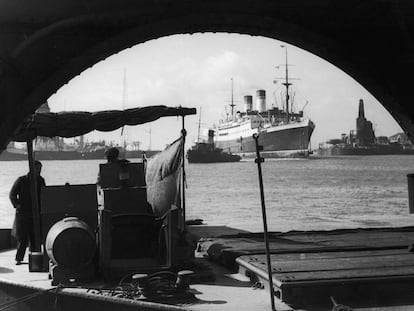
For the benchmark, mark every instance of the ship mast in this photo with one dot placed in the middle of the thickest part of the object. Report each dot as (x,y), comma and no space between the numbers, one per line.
(199,123)
(286,84)
(232,101)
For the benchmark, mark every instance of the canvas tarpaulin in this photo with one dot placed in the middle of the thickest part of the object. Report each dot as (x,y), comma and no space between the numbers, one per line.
(71,124)
(163,176)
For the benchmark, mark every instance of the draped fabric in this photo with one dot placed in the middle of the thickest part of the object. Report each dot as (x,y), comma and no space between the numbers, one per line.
(163,176)
(71,124)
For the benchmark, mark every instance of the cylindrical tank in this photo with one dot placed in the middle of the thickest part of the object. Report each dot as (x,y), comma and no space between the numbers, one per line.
(261,100)
(71,243)
(248,103)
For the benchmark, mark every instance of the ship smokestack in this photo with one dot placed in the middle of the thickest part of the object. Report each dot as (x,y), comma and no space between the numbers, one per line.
(210,137)
(248,103)
(261,100)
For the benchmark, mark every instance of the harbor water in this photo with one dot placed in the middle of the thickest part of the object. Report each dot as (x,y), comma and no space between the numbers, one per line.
(314,194)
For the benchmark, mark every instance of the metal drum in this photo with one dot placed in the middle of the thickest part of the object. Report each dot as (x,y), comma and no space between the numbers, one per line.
(70,243)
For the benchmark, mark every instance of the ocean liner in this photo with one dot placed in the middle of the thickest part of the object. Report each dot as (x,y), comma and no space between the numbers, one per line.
(283,133)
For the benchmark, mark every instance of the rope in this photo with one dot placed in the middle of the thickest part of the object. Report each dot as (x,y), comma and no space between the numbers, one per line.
(159,284)
(12,303)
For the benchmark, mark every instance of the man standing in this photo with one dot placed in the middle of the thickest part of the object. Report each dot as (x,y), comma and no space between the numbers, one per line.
(21,198)
(112,155)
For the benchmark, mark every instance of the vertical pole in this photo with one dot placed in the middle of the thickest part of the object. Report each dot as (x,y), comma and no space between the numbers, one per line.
(199,124)
(183,133)
(34,197)
(286,84)
(410,184)
(232,101)
(259,160)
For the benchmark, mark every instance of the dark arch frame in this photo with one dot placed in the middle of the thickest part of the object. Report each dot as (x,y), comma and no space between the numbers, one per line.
(42,49)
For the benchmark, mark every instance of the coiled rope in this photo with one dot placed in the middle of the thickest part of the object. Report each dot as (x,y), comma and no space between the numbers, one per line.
(160,284)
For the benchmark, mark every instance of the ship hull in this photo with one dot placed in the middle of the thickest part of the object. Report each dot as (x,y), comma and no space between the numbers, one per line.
(361,151)
(11,156)
(286,141)
(208,153)
(194,156)
(72,155)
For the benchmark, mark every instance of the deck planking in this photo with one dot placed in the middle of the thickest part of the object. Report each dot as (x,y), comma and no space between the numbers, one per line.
(221,293)
(362,266)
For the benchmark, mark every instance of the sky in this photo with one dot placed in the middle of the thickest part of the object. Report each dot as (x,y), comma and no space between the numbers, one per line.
(196,71)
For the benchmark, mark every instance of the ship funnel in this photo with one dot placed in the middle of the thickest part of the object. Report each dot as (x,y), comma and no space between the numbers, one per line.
(211,137)
(248,103)
(261,100)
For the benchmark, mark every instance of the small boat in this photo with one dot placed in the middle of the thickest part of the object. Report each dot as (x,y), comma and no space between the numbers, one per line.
(207,152)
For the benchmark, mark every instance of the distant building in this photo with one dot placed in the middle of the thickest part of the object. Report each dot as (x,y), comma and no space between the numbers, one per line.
(362,141)
(46,143)
(43,108)
(365,135)
(400,138)
(383,140)
(11,145)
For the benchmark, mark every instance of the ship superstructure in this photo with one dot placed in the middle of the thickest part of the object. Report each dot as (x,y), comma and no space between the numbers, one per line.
(282,134)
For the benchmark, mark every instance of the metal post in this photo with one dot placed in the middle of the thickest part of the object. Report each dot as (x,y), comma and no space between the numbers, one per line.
(259,160)
(183,133)
(35,198)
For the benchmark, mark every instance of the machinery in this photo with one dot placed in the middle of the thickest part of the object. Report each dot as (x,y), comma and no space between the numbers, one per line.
(85,240)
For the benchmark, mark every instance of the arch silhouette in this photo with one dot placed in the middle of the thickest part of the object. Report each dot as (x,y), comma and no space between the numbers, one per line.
(44,44)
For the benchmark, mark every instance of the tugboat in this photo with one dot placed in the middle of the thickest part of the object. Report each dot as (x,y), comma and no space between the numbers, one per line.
(207,152)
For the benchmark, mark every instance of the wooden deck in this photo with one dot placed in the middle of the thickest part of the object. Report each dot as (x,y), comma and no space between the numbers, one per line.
(361,268)
(221,290)
(369,269)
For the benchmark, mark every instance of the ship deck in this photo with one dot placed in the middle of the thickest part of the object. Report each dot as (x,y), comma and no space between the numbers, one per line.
(366,269)
(221,294)
(361,268)
(217,288)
